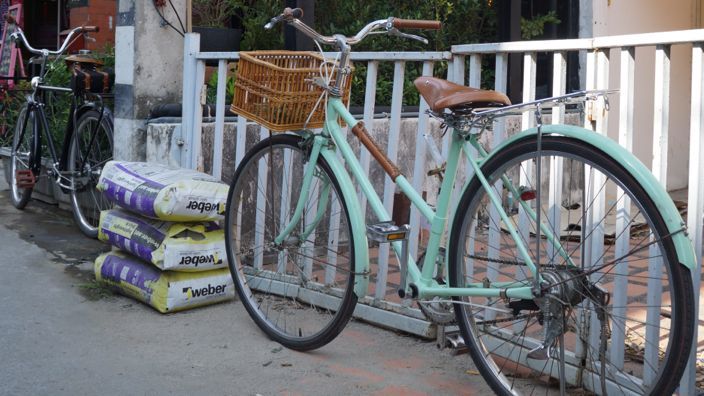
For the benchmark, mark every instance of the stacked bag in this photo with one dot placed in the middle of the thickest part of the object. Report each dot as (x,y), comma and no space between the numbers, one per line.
(169,252)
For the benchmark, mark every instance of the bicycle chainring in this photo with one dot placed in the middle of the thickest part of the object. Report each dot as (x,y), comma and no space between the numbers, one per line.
(437,310)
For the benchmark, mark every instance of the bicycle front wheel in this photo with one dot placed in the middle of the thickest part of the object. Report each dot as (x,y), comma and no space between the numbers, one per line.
(609,269)
(25,151)
(91,148)
(299,291)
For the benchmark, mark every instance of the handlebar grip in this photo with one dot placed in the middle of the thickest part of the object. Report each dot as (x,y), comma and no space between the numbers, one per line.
(86,29)
(293,13)
(416,24)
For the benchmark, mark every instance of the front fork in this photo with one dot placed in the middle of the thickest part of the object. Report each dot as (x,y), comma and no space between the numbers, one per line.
(303,198)
(317,149)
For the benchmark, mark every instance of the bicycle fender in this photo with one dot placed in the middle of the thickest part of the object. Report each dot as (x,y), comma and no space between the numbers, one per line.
(93,106)
(635,167)
(359,229)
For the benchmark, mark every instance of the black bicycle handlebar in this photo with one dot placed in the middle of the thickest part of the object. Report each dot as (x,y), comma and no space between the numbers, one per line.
(19,37)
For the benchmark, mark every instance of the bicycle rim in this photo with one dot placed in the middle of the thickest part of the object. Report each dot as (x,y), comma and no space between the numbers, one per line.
(22,158)
(623,286)
(87,156)
(300,292)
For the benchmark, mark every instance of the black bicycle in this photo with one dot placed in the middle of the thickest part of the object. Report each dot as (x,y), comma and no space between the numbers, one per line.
(87,142)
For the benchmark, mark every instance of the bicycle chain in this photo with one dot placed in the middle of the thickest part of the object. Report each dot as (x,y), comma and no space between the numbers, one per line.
(511,319)
(497,261)
(513,262)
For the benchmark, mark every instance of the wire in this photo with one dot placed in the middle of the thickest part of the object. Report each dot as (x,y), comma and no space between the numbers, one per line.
(177,16)
(167,23)
(52,63)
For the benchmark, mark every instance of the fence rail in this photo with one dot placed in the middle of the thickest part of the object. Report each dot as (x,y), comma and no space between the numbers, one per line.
(607,63)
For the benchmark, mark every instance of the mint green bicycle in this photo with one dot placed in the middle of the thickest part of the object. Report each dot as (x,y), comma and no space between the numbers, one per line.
(561,250)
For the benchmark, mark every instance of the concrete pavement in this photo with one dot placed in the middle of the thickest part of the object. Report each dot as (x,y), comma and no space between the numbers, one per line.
(60,335)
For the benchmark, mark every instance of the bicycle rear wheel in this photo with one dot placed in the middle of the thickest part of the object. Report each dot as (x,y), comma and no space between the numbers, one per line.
(299,292)
(88,154)
(25,151)
(611,277)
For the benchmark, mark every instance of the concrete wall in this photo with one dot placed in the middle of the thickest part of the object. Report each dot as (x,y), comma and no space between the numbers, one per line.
(148,71)
(161,145)
(617,17)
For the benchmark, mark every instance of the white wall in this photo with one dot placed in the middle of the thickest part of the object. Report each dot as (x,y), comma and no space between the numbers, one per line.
(617,17)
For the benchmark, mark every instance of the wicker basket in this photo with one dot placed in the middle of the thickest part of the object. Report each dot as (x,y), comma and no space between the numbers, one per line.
(275,89)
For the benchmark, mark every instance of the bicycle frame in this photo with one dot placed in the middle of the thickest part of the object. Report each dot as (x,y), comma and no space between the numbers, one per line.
(425,285)
(59,163)
(422,280)
(41,124)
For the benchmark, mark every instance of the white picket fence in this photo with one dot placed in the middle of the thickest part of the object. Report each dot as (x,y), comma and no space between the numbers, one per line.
(596,54)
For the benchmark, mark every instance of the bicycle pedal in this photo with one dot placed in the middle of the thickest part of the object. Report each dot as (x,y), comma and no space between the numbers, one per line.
(387,231)
(25,178)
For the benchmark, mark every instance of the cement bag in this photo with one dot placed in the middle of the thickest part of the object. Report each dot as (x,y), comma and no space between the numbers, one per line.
(165,291)
(168,245)
(162,192)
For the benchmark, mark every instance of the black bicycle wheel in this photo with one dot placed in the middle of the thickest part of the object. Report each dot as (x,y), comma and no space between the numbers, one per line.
(91,148)
(300,292)
(25,151)
(612,278)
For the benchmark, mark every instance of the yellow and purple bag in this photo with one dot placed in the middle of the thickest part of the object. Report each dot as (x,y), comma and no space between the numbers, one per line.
(165,291)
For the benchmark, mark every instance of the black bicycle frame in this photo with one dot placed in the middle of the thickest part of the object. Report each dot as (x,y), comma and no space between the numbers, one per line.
(42,124)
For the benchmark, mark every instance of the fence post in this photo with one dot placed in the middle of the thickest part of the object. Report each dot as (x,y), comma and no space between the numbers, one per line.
(419,163)
(197,123)
(661,114)
(218,134)
(695,201)
(389,186)
(623,208)
(191,48)
(369,102)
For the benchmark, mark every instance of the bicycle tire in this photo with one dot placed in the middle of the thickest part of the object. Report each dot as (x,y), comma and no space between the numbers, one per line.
(281,285)
(23,156)
(86,201)
(491,341)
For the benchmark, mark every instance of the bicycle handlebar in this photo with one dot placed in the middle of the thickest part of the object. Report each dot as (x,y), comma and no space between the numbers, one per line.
(391,25)
(18,36)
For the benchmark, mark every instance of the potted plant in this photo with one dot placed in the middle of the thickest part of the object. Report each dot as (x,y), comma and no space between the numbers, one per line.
(211,18)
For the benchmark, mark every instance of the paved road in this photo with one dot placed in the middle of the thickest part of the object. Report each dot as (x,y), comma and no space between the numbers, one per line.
(58,338)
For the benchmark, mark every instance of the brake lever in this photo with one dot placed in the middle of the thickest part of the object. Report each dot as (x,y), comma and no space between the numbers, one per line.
(274,21)
(395,32)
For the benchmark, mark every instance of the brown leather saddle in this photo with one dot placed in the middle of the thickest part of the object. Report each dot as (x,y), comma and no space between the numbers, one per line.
(441,94)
